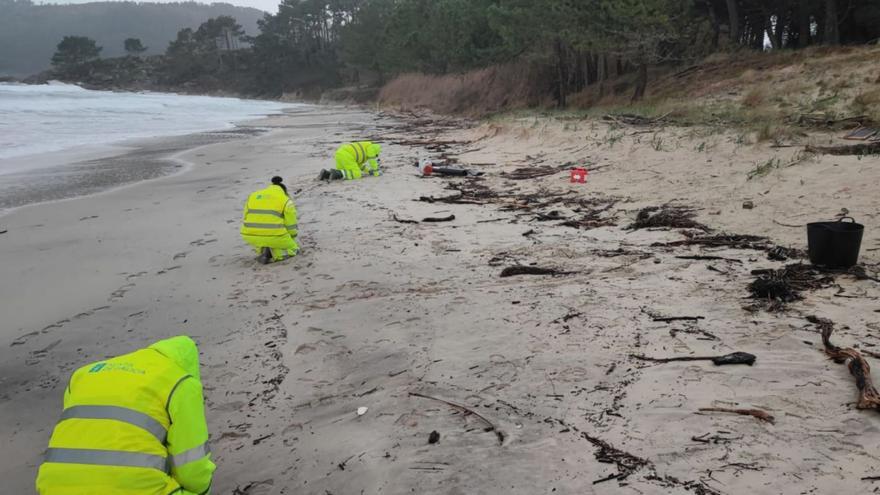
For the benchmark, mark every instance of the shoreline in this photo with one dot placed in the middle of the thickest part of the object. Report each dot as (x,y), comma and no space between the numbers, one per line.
(161,154)
(131,156)
(151,159)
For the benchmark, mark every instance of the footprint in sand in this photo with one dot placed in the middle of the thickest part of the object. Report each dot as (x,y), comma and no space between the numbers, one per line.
(57,324)
(182,255)
(305,349)
(166,270)
(575,374)
(91,312)
(88,218)
(38,355)
(231,436)
(23,339)
(325,333)
(202,242)
(120,292)
(134,276)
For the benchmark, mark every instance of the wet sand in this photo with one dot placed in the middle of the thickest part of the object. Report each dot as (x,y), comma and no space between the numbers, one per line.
(529,381)
(141,160)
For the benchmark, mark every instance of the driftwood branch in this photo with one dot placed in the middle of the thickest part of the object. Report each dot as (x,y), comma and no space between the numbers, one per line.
(428,220)
(512,271)
(402,220)
(490,426)
(757,413)
(852,149)
(734,358)
(869,398)
(437,220)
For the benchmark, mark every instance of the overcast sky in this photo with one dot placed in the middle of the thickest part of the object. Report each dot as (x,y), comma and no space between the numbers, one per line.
(266,5)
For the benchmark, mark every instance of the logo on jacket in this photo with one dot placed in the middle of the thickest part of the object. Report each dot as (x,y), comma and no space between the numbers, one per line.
(126,367)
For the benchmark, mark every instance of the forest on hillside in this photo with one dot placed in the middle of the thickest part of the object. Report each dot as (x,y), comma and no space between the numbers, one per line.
(29,32)
(320,44)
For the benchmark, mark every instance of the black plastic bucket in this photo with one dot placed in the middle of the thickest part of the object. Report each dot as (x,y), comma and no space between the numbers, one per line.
(835,244)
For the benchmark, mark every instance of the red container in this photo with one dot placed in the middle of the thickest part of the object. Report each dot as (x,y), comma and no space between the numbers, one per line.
(579,175)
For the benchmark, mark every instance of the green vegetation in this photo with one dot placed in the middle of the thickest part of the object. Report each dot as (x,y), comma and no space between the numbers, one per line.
(133,46)
(564,46)
(765,168)
(75,51)
(30,30)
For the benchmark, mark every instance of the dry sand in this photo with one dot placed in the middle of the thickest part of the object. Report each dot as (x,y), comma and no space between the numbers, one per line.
(375,310)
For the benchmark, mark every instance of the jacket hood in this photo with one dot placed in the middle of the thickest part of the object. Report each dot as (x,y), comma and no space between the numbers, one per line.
(183,351)
(374,150)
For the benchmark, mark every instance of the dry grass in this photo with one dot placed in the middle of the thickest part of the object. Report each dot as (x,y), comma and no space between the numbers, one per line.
(477,93)
(755,98)
(868,103)
(761,93)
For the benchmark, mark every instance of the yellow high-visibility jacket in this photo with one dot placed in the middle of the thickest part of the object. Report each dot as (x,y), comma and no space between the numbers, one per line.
(270,220)
(355,159)
(132,425)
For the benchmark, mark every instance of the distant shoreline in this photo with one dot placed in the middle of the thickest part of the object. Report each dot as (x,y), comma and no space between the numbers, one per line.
(39,80)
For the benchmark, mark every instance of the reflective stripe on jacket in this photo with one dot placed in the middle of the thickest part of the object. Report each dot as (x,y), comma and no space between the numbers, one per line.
(133,424)
(361,151)
(269,213)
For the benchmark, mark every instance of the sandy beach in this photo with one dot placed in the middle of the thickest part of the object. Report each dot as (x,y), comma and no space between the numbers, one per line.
(530,381)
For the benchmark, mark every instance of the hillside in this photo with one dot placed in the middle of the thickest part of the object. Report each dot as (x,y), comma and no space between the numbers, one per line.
(771,93)
(29,32)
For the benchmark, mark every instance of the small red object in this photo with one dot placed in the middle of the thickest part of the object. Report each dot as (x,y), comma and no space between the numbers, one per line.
(579,175)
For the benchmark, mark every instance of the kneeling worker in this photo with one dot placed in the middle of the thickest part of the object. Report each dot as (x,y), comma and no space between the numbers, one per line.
(354,160)
(270,223)
(132,424)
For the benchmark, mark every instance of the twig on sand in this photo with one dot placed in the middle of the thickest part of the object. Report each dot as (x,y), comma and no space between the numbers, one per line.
(708,258)
(453,199)
(695,331)
(860,273)
(716,439)
(512,271)
(775,288)
(756,413)
(437,220)
(490,426)
(667,216)
(402,220)
(626,463)
(734,358)
(342,464)
(853,149)
(679,318)
(788,224)
(869,398)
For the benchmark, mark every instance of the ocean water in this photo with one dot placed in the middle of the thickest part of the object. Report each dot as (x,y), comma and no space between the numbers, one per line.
(55,117)
(59,141)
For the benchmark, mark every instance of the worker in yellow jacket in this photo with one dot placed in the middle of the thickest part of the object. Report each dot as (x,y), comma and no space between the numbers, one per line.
(270,223)
(355,160)
(133,424)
